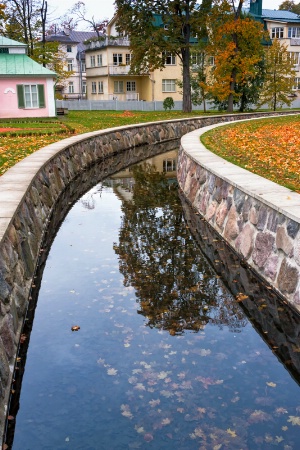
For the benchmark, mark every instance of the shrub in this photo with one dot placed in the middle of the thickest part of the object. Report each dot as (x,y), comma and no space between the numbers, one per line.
(168,103)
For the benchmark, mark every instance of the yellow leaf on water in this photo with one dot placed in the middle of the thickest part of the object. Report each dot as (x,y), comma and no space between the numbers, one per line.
(271,384)
(295,420)
(231,432)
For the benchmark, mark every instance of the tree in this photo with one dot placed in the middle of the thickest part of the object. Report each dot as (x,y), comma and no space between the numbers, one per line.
(279,76)
(160,27)
(79,11)
(2,17)
(235,40)
(290,5)
(175,287)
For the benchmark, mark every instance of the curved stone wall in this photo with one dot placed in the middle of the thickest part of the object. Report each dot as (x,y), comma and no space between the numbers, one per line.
(28,194)
(258,218)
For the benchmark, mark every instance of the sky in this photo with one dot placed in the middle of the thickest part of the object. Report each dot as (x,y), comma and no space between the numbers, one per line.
(104,9)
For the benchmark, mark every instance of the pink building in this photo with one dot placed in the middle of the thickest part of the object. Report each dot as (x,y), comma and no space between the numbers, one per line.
(26,87)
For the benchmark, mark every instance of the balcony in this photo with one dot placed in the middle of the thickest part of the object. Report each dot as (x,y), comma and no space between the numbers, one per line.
(129,96)
(108,41)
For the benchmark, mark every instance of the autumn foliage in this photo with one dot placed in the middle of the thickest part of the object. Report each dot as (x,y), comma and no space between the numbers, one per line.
(269,148)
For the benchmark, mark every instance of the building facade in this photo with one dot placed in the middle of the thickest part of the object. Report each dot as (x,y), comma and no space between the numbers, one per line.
(26,87)
(108,77)
(72,44)
(108,61)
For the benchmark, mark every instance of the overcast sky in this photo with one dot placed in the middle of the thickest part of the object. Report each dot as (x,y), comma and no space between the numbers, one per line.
(104,9)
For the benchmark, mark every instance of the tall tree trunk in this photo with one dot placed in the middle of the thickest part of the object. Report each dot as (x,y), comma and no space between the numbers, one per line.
(186,82)
(232,87)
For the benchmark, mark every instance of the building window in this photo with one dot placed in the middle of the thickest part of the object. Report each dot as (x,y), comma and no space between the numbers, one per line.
(83,67)
(295,58)
(277,33)
(211,60)
(169,165)
(197,59)
(92,60)
(71,87)
(296,86)
(130,86)
(294,32)
(69,48)
(128,59)
(70,65)
(170,60)
(99,60)
(118,87)
(84,87)
(117,59)
(169,85)
(31,96)
(4,50)
(100,87)
(94,87)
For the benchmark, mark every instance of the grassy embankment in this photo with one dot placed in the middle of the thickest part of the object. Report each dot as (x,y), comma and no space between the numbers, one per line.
(269,147)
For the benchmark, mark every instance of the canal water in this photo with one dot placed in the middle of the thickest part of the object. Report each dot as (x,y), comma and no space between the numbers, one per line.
(148,333)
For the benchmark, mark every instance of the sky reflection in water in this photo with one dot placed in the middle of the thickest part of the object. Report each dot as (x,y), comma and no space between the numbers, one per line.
(165,357)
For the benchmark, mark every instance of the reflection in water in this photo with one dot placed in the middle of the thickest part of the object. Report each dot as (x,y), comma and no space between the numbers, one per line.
(175,288)
(165,356)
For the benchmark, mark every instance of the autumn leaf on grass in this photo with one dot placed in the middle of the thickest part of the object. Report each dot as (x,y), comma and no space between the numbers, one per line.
(295,420)
(231,432)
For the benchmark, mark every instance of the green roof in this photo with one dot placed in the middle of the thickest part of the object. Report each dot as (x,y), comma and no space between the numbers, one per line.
(14,64)
(5,42)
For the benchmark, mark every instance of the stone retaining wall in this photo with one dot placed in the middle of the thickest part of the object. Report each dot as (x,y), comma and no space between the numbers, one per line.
(258,218)
(30,190)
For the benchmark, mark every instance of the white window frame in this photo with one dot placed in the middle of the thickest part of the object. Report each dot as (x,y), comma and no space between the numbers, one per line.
(71,87)
(296,86)
(70,65)
(69,48)
(94,87)
(84,87)
(83,66)
(100,87)
(31,96)
(128,59)
(118,87)
(170,59)
(99,60)
(294,32)
(277,33)
(168,85)
(93,61)
(130,86)
(117,59)
(169,165)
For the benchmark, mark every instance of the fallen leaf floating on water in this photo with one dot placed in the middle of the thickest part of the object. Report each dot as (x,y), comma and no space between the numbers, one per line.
(271,384)
(295,420)
(75,328)
(231,432)
(241,297)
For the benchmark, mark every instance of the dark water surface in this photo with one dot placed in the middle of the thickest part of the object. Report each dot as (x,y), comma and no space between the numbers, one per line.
(165,357)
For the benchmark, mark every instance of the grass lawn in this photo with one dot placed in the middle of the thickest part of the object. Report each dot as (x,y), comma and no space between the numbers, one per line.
(269,147)
(19,138)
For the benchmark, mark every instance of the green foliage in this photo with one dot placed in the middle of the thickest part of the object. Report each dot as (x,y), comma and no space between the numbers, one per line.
(159,28)
(290,5)
(279,76)
(168,103)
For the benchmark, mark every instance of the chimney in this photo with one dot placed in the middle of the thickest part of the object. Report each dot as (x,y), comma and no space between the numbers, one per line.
(256,7)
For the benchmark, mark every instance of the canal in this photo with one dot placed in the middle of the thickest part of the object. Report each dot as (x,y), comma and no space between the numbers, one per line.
(149,333)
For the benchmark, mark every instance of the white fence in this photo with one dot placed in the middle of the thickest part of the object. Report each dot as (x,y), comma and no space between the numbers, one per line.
(117,104)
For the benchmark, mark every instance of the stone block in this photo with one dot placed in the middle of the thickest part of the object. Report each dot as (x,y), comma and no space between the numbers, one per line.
(288,277)
(283,241)
(262,248)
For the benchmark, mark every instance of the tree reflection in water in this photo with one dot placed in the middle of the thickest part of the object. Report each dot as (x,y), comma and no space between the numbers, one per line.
(176,288)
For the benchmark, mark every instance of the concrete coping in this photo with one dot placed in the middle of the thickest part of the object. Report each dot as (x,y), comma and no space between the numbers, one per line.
(272,194)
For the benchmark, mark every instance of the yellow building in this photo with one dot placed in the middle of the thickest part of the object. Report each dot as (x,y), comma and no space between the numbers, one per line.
(108,78)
